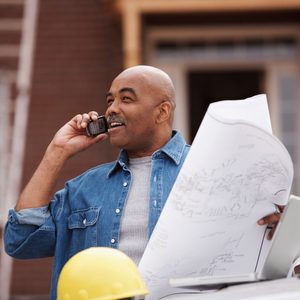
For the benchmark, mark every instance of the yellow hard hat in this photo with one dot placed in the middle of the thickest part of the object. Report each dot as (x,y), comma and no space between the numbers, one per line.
(100,273)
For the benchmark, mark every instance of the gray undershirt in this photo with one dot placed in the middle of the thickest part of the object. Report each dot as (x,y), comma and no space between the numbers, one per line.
(134,223)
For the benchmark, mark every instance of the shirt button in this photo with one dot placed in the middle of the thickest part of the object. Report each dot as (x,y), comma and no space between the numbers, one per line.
(84,221)
(125,183)
(112,241)
(117,210)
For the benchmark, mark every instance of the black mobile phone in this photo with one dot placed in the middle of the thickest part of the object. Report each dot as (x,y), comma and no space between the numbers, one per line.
(96,127)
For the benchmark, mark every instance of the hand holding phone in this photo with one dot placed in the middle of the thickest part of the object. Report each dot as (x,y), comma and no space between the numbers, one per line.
(97,127)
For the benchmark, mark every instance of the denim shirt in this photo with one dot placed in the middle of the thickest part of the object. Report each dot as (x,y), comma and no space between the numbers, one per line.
(87,212)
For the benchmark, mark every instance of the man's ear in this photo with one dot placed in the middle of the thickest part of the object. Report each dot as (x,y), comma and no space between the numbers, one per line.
(164,112)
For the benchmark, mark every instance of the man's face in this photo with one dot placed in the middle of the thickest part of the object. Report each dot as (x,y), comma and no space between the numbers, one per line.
(132,108)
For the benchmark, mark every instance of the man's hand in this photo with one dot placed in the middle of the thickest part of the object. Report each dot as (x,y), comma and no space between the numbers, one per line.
(69,140)
(272,220)
(72,138)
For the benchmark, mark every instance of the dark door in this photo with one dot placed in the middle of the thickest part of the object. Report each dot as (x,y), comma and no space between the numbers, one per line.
(211,86)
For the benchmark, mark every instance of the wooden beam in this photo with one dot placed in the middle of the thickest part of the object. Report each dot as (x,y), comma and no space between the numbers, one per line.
(187,6)
(131,19)
(132,10)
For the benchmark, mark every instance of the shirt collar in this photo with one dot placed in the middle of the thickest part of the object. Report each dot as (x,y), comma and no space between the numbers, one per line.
(174,149)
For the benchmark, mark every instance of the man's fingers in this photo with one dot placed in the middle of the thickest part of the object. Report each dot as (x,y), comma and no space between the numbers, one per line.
(83,119)
(281,208)
(270,219)
(78,120)
(100,137)
(271,232)
(93,115)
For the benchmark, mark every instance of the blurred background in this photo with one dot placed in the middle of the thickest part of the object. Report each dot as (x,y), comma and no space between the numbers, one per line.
(58,58)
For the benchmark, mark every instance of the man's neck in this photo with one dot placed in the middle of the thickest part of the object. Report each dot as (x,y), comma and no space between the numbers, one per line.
(150,150)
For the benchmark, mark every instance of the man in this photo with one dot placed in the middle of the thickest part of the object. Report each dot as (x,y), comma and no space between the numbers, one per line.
(115,204)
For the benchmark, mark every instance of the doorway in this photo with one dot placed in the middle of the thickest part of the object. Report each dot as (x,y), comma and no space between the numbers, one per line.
(209,86)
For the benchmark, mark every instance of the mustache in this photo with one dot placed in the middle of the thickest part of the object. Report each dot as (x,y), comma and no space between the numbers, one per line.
(117,119)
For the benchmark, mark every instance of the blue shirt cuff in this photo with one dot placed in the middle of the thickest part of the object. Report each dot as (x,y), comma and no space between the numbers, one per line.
(30,216)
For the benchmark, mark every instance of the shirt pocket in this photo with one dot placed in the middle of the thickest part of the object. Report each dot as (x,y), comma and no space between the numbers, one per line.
(83,226)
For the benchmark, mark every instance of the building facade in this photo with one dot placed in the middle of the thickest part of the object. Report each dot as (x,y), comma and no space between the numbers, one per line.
(213,50)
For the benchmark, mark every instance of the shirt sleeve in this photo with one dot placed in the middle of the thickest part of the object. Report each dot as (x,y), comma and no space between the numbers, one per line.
(30,233)
(32,216)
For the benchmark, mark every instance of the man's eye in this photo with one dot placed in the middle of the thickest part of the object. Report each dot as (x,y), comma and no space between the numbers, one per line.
(109,102)
(126,98)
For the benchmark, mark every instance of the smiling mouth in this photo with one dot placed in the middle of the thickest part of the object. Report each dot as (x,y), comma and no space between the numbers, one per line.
(115,121)
(115,124)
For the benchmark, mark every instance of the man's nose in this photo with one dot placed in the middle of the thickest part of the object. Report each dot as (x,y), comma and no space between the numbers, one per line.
(114,107)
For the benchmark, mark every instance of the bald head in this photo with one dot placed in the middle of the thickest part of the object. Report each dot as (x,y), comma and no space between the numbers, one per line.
(140,110)
(158,81)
